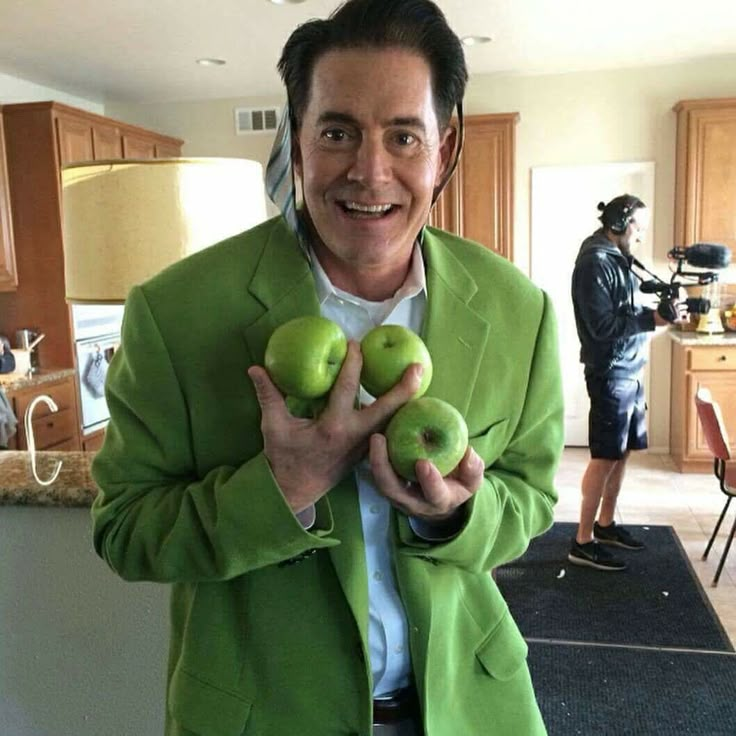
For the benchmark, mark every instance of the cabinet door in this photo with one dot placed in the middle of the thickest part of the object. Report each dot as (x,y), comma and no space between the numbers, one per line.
(49,428)
(706,173)
(478,203)
(108,143)
(8,272)
(137,147)
(75,140)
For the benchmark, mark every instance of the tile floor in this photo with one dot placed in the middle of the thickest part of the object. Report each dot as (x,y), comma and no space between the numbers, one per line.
(655,493)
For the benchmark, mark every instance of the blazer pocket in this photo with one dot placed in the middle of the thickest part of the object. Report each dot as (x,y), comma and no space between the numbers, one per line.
(490,444)
(204,709)
(504,651)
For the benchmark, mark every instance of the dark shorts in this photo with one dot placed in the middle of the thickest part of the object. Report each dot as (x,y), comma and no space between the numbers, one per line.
(617,419)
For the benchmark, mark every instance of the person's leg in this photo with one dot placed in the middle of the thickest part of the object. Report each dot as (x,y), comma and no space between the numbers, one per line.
(606,530)
(610,492)
(594,484)
(607,439)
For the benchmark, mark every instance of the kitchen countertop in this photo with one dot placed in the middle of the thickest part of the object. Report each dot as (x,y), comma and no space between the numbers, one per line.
(16,381)
(685,337)
(73,487)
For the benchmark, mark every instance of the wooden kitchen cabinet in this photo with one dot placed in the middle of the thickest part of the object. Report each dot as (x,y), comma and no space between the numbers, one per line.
(58,430)
(478,203)
(693,366)
(8,274)
(40,138)
(705,179)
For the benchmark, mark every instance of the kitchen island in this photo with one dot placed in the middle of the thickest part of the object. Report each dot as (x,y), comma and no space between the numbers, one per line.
(82,651)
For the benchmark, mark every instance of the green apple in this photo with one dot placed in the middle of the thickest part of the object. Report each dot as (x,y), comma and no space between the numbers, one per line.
(388,350)
(306,408)
(304,356)
(426,428)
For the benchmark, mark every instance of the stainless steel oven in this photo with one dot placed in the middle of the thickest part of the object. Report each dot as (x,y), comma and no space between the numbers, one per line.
(97,336)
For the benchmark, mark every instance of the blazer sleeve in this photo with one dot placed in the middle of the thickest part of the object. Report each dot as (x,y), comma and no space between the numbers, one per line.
(154,517)
(515,502)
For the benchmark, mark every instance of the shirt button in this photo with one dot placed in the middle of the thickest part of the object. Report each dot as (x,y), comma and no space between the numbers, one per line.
(373,508)
(399,648)
(378,575)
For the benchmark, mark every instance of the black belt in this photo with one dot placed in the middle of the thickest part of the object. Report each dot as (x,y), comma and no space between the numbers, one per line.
(403,705)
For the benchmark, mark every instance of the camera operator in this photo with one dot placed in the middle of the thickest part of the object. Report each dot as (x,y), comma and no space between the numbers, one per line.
(612,327)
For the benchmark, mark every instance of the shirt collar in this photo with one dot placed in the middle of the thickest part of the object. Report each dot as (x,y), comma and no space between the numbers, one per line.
(414,284)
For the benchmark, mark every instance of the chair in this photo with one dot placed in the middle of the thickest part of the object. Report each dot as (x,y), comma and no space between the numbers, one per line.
(724,465)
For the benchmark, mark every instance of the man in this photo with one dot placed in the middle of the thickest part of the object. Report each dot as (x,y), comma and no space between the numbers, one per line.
(314,592)
(612,327)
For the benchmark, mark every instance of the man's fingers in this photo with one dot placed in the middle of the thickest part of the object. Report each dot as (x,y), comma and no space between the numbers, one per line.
(270,399)
(469,471)
(383,408)
(343,393)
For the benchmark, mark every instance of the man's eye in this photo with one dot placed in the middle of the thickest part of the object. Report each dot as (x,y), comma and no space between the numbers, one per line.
(335,134)
(405,139)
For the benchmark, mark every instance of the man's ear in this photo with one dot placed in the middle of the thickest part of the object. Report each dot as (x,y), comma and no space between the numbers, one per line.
(448,140)
(296,154)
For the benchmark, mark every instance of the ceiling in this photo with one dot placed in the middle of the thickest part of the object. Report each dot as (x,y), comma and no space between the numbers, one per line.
(145,50)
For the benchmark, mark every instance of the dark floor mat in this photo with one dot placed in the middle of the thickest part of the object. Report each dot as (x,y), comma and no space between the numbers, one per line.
(583,689)
(657,602)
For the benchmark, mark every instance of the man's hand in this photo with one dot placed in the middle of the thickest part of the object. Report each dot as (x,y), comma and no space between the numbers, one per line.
(678,310)
(433,498)
(309,456)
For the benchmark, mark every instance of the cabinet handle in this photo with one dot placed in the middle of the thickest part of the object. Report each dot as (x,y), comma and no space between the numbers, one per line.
(722,358)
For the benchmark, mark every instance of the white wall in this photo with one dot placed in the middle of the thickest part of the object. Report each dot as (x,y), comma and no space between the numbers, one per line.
(15,89)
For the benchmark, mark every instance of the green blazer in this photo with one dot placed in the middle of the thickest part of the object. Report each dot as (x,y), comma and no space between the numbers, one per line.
(268,620)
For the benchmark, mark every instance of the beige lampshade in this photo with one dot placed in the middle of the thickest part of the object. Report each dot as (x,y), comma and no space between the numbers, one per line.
(124,221)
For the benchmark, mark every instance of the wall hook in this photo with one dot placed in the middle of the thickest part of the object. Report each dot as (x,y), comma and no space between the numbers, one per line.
(30,439)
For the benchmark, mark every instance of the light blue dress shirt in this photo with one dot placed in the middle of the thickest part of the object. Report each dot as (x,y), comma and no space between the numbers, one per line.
(388,637)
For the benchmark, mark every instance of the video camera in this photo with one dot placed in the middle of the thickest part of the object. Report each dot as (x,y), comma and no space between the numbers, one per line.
(700,255)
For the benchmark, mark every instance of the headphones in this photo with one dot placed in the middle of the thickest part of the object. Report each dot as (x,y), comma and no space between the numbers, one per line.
(616,216)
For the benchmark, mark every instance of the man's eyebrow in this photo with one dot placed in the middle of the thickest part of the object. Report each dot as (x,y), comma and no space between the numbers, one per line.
(332,116)
(408,122)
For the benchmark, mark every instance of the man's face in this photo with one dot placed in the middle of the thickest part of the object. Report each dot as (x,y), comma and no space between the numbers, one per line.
(369,156)
(636,231)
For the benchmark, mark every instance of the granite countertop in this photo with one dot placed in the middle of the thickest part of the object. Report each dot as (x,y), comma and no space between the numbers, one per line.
(16,381)
(73,487)
(686,337)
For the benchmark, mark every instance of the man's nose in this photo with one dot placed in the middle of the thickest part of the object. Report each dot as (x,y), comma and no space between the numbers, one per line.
(372,163)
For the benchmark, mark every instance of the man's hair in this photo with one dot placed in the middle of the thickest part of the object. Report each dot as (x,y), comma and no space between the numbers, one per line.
(416,25)
(618,213)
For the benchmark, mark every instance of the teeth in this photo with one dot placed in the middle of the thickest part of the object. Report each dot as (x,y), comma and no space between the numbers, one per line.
(373,208)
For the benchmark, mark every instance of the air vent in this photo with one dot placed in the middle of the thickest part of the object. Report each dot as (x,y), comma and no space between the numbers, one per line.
(255,120)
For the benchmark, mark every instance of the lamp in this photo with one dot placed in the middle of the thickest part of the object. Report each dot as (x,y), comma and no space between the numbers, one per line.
(126,220)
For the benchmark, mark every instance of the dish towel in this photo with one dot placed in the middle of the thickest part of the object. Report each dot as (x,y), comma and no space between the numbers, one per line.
(8,422)
(95,374)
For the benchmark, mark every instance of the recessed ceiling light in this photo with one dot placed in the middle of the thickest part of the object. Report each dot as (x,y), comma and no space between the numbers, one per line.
(475,40)
(286,2)
(211,62)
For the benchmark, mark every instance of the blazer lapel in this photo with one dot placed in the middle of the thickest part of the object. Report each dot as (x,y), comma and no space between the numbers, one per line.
(283,283)
(455,334)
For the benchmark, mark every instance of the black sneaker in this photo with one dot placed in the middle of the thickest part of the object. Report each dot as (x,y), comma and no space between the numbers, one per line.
(593,555)
(616,536)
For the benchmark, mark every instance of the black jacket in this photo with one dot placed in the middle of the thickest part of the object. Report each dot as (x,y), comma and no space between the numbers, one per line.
(609,320)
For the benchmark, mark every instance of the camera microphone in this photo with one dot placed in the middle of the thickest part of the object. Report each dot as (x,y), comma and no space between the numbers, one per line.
(703,255)
(650,287)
